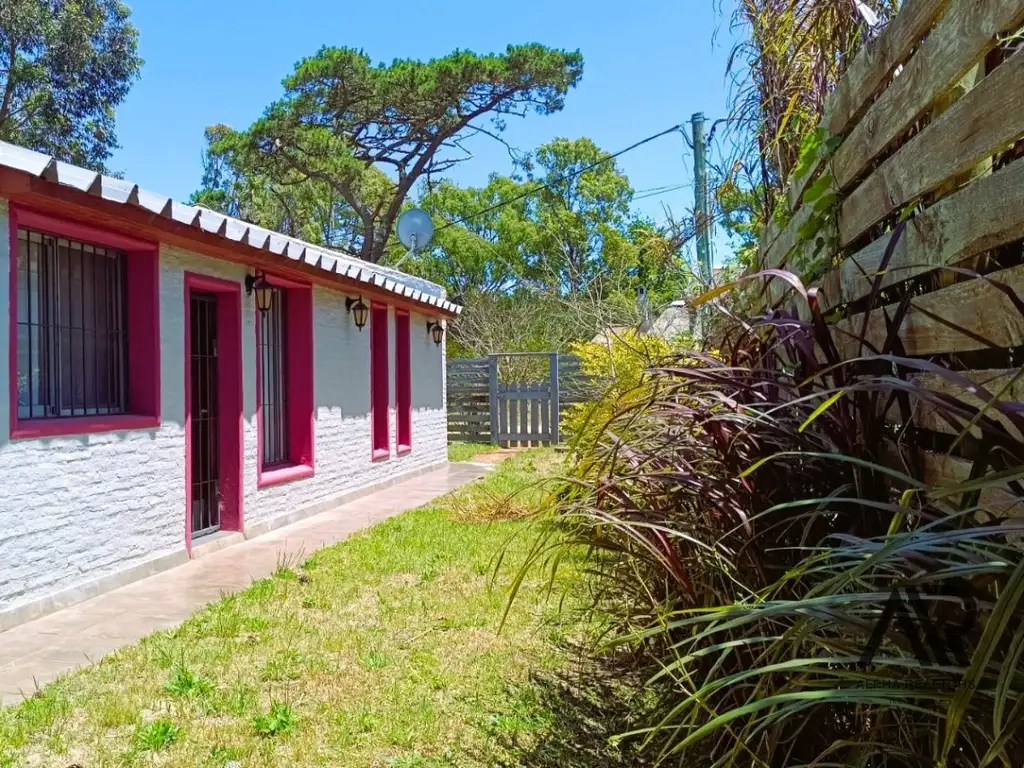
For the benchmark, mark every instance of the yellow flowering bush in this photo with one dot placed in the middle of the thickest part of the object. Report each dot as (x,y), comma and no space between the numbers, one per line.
(618,366)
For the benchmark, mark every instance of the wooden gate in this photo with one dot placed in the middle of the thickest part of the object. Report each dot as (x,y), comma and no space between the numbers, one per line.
(488,403)
(525,413)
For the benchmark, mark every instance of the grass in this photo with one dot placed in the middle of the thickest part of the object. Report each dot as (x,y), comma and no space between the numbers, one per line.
(468,451)
(380,651)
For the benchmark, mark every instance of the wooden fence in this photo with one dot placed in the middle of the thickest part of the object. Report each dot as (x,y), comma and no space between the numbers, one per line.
(485,407)
(929,174)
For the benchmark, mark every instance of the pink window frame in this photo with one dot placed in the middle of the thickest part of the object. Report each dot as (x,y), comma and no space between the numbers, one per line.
(231,439)
(299,374)
(403,381)
(143,308)
(380,396)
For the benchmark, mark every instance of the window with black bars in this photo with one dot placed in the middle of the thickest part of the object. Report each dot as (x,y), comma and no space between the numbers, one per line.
(273,382)
(72,339)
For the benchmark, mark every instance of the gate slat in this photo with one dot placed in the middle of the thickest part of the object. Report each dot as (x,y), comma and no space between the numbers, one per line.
(545,427)
(524,427)
(534,421)
(513,415)
(502,402)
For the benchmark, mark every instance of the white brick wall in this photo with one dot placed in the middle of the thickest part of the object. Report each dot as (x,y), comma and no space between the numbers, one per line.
(74,509)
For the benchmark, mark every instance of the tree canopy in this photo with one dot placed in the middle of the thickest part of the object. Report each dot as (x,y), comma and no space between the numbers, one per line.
(365,134)
(560,249)
(64,67)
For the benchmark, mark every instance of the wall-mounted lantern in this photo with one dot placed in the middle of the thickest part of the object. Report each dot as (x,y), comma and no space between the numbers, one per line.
(259,285)
(436,330)
(359,311)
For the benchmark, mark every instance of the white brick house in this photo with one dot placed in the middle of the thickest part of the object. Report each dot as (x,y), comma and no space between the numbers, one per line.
(150,409)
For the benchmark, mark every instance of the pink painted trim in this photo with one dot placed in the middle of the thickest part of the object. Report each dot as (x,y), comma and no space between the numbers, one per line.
(12,330)
(230,396)
(288,283)
(143,305)
(300,375)
(83,425)
(52,225)
(285,475)
(380,397)
(143,309)
(403,381)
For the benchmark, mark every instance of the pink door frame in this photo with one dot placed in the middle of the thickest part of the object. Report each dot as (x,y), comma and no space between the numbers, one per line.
(230,399)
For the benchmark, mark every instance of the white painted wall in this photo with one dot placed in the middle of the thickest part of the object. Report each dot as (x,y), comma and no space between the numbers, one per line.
(75,509)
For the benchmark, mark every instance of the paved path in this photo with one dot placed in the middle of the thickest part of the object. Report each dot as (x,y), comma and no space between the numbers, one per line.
(36,653)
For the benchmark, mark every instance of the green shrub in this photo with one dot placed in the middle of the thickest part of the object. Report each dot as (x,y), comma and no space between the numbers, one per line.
(280,719)
(157,735)
(747,524)
(619,367)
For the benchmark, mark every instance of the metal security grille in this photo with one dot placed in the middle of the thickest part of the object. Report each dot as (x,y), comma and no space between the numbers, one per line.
(273,388)
(71,328)
(204,445)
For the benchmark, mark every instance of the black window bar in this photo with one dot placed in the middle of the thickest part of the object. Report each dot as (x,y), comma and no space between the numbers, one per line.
(205,412)
(72,340)
(273,385)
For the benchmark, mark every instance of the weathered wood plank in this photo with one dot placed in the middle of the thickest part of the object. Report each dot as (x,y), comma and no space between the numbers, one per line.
(994,381)
(545,421)
(492,368)
(983,215)
(513,412)
(774,256)
(481,418)
(870,71)
(967,32)
(520,393)
(976,306)
(989,117)
(556,436)
(501,405)
(940,470)
(524,423)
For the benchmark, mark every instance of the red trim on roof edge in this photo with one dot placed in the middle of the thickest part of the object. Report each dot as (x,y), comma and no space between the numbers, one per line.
(132,221)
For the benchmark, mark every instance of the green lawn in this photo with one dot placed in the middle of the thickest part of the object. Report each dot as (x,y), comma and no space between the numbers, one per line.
(468,451)
(380,651)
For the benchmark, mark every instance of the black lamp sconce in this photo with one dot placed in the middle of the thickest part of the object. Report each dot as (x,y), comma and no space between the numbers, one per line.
(436,330)
(359,311)
(259,285)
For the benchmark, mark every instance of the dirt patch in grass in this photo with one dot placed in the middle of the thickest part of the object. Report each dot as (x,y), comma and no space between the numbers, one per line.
(517,488)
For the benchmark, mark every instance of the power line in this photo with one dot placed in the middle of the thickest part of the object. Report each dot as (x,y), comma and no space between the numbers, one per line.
(568,176)
(646,193)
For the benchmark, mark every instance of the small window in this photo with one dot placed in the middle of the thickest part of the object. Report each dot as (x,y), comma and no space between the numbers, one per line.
(274,383)
(403,380)
(284,385)
(380,397)
(72,342)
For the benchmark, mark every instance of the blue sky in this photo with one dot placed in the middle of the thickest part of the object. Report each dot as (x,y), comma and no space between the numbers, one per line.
(648,65)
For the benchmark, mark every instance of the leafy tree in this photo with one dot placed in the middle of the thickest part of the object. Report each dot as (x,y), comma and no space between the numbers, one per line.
(370,133)
(302,208)
(741,217)
(64,66)
(485,252)
(581,215)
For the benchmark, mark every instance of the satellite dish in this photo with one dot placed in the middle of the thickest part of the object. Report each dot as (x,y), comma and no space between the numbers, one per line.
(415,229)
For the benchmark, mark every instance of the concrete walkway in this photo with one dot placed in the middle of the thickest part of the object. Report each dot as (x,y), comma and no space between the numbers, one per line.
(36,653)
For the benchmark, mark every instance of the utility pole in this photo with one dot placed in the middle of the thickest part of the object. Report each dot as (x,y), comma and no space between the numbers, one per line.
(701,208)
